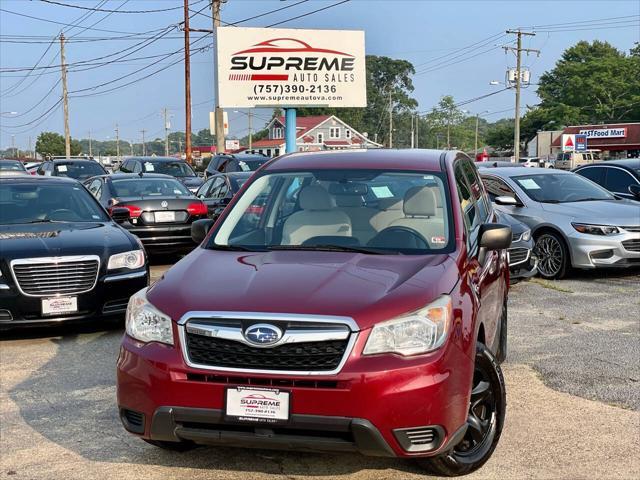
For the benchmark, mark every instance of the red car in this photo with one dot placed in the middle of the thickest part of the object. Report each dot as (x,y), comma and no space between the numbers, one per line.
(365,311)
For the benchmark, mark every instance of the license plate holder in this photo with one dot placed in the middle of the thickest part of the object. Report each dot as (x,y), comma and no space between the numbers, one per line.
(163,217)
(257,405)
(59,305)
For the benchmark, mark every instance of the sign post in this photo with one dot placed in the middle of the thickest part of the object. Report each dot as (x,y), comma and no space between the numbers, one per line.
(581,142)
(290,130)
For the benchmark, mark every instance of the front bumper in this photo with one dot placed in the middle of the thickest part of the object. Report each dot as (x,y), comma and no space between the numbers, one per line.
(367,407)
(591,251)
(108,298)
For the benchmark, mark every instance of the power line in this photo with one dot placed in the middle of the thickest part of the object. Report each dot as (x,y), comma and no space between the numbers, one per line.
(113,11)
(308,13)
(579,22)
(16,85)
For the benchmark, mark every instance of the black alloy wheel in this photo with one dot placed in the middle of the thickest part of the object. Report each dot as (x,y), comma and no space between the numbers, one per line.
(552,255)
(487,408)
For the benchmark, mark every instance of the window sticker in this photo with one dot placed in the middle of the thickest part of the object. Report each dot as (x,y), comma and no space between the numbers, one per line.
(62,168)
(529,184)
(382,192)
(148,167)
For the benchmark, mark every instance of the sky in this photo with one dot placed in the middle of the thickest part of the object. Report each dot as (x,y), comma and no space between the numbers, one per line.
(430,34)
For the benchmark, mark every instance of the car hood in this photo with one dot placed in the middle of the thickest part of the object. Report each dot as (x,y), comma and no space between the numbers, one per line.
(62,239)
(600,212)
(368,288)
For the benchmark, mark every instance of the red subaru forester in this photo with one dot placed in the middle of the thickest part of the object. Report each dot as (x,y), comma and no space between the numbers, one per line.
(352,301)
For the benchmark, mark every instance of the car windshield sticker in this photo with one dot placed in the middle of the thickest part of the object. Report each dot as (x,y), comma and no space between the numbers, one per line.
(62,168)
(148,167)
(529,184)
(177,192)
(244,167)
(382,192)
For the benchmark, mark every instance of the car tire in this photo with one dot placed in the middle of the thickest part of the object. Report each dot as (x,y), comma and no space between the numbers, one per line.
(501,354)
(172,446)
(553,255)
(484,424)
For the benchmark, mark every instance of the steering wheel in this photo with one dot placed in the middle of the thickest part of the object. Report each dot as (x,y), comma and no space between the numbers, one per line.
(63,214)
(399,237)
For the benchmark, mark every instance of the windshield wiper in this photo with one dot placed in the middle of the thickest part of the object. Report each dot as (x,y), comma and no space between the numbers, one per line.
(45,220)
(333,248)
(549,201)
(591,199)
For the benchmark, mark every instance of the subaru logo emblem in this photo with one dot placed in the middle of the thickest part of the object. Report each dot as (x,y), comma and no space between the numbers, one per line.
(164,204)
(263,334)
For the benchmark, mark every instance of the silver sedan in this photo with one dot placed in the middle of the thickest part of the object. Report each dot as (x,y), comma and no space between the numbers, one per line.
(575,223)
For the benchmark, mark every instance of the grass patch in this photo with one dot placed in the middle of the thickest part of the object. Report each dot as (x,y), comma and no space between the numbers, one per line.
(550,285)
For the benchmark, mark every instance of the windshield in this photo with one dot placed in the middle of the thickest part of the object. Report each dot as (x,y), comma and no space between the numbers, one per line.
(79,170)
(369,211)
(561,188)
(175,169)
(11,166)
(34,203)
(149,187)
(246,165)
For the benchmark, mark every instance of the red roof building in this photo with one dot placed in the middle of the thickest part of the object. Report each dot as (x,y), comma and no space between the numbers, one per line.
(622,138)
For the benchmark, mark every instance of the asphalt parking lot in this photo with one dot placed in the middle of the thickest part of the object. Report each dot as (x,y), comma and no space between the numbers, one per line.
(573,380)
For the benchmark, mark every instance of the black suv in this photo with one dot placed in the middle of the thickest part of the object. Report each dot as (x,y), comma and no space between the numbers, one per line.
(175,167)
(239,162)
(77,168)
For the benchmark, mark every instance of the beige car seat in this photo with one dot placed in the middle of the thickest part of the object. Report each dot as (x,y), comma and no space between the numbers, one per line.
(360,216)
(420,208)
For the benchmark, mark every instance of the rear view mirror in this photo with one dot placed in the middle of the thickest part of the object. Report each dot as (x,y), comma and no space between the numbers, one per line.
(635,191)
(506,200)
(200,228)
(120,214)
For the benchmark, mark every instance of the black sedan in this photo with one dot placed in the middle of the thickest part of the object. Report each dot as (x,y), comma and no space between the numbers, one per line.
(161,209)
(237,162)
(165,165)
(219,189)
(620,177)
(63,258)
(78,168)
(522,259)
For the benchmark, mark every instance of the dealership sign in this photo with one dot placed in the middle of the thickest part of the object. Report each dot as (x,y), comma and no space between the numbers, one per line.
(604,132)
(268,67)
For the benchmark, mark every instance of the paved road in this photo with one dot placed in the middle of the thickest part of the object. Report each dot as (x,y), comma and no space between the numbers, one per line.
(58,416)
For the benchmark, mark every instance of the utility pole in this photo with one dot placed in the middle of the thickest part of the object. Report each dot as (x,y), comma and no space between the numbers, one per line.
(390,121)
(475,148)
(117,142)
(250,129)
(417,129)
(13,146)
(30,147)
(413,132)
(166,133)
(219,115)
(65,99)
(518,51)
(90,146)
(187,84)
(144,147)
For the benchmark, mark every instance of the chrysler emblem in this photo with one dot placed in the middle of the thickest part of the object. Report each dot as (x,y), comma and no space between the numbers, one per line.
(263,334)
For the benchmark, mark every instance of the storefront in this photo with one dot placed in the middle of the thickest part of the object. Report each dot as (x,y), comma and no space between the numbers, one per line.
(615,140)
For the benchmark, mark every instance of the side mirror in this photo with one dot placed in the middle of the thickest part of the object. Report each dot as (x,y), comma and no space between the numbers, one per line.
(506,200)
(494,236)
(635,190)
(120,214)
(200,228)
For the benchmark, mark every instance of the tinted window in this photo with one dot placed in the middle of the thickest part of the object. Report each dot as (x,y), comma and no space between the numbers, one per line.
(204,188)
(149,187)
(29,203)
(175,169)
(78,170)
(618,180)
(560,188)
(95,187)
(215,187)
(496,187)
(126,167)
(11,166)
(595,174)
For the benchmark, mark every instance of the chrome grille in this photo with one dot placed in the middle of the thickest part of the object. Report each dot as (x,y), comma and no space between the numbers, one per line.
(42,277)
(632,245)
(632,228)
(518,255)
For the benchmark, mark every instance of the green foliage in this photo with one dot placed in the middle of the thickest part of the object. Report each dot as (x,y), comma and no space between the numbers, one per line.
(500,134)
(51,143)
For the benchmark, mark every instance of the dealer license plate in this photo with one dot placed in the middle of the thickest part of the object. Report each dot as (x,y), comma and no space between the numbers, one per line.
(57,305)
(259,405)
(165,216)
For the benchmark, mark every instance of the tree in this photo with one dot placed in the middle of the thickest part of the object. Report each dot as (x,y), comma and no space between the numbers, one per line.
(51,143)
(592,83)
(500,134)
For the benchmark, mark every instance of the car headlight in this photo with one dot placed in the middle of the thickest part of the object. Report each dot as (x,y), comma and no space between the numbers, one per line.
(526,236)
(418,332)
(596,229)
(146,323)
(131,260)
